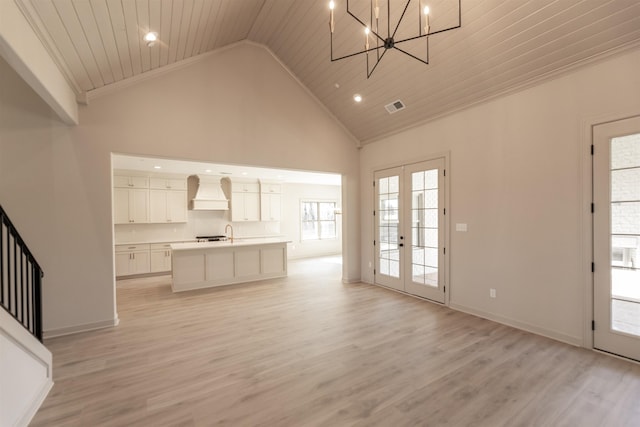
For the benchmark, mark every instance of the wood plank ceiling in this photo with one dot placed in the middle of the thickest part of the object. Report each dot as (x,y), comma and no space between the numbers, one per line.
(502,45)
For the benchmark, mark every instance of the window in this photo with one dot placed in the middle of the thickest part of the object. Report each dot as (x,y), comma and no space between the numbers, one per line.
(318,220)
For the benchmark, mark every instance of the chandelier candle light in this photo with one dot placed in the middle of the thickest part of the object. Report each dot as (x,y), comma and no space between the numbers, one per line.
(384,43)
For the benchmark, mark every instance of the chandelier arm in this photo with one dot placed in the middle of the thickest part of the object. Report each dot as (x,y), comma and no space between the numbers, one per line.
(376,64)
(406,6)
(426,35)
(413,56)
(359,53)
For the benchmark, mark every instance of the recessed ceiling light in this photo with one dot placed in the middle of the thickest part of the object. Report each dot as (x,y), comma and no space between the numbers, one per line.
(151,38)
(245,173)
(357,98)
(157,167)
(208,171)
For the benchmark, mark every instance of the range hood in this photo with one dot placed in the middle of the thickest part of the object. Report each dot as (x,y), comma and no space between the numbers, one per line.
(205,194)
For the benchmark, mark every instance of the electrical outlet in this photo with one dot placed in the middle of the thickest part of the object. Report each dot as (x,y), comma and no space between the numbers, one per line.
(492,293)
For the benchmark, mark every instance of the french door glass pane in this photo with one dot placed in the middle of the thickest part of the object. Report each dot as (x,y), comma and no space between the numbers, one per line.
(424,227)
(625,234)
(388,222)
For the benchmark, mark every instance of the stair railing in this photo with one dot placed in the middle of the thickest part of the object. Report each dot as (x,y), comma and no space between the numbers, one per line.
(20,279)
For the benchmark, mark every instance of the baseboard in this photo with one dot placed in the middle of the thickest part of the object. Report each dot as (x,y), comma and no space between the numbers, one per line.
(35,405)
(347,280)
(567,339)
(52,333)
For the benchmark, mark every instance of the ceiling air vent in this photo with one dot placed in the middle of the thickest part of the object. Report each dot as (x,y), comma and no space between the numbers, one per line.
(395,106)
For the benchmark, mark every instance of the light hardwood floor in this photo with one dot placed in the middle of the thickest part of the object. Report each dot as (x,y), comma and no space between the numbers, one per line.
(310,351)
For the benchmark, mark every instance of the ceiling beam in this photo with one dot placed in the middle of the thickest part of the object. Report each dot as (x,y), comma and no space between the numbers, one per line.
(24,52)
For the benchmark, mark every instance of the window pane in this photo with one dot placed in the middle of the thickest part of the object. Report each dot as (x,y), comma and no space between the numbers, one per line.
(327,229)
(431,276)
(394,268)
(431,198)
(308,211)
(310,230)
(431,218)
(394,184)
(417,273)
(383,186)
(625,185)
(327,211)
(417,181)
(625,151)
(431,179)
(431,257)
(625,218)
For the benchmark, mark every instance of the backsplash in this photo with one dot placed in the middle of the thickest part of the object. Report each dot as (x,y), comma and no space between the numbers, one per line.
(198,223)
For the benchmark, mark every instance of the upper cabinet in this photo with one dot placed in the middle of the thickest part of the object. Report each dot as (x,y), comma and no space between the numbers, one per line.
(245,199)
(130,199)
(270,201)
(130,205)
(167,206)
(144,199)
(167,184)
(124,181)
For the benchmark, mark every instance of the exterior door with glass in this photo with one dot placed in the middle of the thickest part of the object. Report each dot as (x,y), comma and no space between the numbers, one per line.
(616,237)
(410,229)
(389,241)
(424,216)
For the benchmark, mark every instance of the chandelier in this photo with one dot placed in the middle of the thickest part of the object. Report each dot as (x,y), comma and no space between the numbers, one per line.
(380,38)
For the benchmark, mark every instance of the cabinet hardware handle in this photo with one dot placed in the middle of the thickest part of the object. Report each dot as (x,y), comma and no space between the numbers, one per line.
(131,247)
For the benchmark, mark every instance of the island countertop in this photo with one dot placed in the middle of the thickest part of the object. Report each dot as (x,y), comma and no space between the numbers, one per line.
(188,246)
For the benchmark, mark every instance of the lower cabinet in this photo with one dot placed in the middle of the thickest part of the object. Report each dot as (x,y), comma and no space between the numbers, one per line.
(132,259)
(142,259)
(160,257)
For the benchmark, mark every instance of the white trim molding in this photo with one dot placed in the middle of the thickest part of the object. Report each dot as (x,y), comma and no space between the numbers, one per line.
(59,332)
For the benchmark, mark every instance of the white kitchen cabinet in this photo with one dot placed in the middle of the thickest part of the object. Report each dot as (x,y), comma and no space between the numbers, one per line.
(160,257)
(245,207)
(270,201)
(130,205)
(126,181)
(270,207)
(167,206)
(167,184)
(132,259)
(267,187)
(245,187)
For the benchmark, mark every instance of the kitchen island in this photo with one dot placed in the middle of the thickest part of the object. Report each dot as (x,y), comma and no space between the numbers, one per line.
(206,264)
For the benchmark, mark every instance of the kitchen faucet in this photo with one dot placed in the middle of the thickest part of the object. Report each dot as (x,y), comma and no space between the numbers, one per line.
(226,228)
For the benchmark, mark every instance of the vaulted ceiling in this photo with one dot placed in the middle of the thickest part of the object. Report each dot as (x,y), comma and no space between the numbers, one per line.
(501,46)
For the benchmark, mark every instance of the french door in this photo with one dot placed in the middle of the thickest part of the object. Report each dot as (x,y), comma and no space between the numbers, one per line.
(616,237)
(410,229)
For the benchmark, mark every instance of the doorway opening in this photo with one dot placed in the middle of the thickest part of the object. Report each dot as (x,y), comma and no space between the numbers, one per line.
(142,245)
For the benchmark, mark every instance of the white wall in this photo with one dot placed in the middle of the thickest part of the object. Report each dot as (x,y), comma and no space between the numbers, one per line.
(237,106)
(295,193)
(516,179)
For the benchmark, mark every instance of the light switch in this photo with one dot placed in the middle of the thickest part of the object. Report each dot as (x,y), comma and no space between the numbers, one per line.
(461,227)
